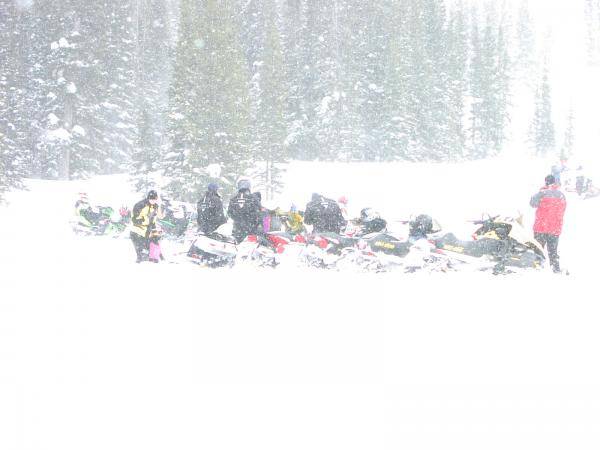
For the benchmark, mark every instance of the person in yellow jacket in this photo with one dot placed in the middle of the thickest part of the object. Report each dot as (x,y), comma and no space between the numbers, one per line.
(143,218)
(293,221)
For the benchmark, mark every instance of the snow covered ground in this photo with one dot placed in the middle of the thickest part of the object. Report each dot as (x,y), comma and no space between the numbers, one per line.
(97,352)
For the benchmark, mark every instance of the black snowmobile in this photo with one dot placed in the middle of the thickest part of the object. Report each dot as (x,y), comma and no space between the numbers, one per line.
(499,245)
(382,250)
(368,245)
(177,217)
(213,250)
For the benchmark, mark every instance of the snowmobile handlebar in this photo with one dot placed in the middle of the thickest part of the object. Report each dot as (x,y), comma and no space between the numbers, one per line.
(490,219)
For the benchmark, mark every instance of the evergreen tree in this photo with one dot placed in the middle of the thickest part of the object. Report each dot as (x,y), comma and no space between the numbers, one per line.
(489,85)
(115,103)
(363,35)
(11,96)
(269,98)
(152,75)
(525,49)
(63,88)
(457,84)
(310,32)
(398,123)
(209,110)
(294,38)
(429,103)
(542,126)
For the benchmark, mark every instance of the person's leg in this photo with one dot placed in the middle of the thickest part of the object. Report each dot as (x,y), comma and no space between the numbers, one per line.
(553,252)
(541,238)
(139,243)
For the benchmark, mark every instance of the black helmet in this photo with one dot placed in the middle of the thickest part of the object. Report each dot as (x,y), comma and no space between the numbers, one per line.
(244,183)
(422,224)
(152,195)
(368,214)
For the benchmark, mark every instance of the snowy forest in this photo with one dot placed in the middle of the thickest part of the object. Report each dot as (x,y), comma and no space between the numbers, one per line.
(175,87)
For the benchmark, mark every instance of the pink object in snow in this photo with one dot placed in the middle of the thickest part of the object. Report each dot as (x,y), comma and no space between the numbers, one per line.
(154,251)
(267,223)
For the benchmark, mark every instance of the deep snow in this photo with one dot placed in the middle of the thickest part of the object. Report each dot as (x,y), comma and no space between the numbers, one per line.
(97,352)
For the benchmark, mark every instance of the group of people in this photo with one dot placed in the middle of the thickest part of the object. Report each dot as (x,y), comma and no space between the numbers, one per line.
(249,216)
(324,214)
(574,179)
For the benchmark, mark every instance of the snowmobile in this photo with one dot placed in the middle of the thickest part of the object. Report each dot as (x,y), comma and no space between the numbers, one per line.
(366,245)
(499,245)
(213,250)
(101,220)
(176,219)
(381,251)
(271,249)
(328,250)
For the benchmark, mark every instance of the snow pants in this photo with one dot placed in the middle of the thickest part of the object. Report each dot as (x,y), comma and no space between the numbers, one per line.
(551,241)
(140,244)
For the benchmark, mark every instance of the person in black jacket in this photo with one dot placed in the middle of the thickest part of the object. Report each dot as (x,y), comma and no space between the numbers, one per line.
(245,210)
(324,214)
(210,210)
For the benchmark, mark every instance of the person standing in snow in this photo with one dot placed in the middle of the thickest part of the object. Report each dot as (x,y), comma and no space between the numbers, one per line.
(210,210)
(143,218)
(550,204)
(245,211)
(293,221)
(324,215)
(556,170)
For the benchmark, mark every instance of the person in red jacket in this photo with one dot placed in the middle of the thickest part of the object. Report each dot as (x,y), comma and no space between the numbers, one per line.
(551,204)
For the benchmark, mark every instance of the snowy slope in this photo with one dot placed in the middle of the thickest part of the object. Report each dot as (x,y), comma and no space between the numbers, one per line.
(97,352)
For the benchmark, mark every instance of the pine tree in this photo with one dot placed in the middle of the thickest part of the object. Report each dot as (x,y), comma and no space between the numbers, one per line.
(209,109)
(11,170)
(542,126)
(457,85)
(61,89)
(398,122)
(115,128)
(269,98)
(525,49)
(364,42)
(294,39)
(152,72)
(489,85)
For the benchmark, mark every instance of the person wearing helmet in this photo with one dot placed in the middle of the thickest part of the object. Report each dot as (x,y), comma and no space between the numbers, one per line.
(550,204)
(370,222)
(293,220)
(324,214)
(143,218)
(245,211)
(420,227)
(88,216)
(210,210)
